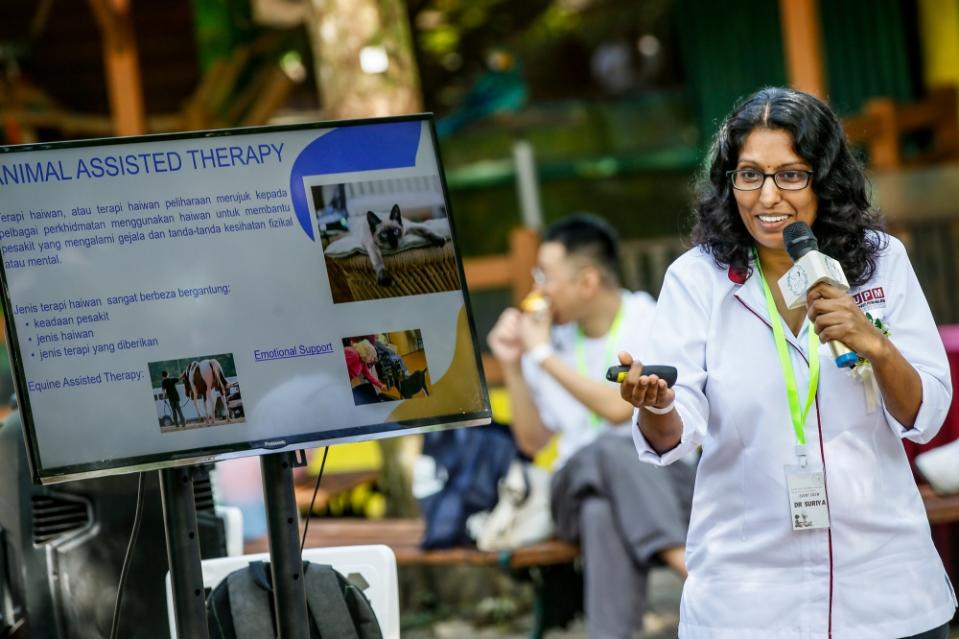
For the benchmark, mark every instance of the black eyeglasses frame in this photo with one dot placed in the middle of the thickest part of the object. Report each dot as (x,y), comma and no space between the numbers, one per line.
(731,175)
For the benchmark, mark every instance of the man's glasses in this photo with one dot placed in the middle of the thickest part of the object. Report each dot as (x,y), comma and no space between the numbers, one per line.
(753,180)
(539,277)
(542,279)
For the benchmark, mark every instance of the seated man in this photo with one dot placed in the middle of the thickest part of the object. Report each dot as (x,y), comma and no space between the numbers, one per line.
(622,512)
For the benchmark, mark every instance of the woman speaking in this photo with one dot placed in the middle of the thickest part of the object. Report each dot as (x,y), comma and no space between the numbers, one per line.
(806,521)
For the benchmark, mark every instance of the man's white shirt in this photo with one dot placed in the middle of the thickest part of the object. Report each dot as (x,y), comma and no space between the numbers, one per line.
(560,411)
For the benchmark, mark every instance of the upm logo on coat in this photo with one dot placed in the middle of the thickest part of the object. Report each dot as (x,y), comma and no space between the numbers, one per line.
(871,298)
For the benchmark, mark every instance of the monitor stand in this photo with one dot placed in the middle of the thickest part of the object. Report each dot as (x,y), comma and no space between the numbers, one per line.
(183,552)
(286,565)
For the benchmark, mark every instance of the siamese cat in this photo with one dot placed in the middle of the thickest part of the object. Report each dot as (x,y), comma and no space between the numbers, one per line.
(386,234)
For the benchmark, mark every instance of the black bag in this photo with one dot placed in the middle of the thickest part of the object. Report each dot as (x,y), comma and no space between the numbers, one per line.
(472,461)
(241,606)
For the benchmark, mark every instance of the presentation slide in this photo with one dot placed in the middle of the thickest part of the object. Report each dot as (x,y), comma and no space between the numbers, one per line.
(198,296)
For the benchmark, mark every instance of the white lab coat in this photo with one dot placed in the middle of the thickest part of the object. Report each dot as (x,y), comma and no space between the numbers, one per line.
(876,573)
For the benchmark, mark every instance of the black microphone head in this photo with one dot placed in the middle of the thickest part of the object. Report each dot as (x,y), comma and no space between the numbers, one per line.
(799,240)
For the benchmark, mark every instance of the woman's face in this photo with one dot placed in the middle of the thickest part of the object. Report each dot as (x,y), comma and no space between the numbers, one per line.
(769,209)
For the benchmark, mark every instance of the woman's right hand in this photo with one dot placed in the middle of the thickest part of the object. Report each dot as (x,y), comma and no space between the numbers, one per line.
(643,390)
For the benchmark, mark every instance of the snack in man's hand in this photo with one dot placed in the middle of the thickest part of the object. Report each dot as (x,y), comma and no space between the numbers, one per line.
(534,303)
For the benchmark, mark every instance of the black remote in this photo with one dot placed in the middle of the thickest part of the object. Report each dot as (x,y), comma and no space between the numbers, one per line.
(618,373)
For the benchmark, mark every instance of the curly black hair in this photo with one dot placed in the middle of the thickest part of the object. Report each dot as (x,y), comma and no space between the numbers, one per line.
(844,216)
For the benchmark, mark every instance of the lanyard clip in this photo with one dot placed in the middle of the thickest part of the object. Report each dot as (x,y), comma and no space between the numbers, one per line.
(801,454)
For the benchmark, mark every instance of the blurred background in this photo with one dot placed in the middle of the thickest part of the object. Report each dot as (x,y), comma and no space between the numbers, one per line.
(544,107)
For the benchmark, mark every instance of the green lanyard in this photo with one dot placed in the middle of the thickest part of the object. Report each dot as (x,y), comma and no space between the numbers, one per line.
(792,394)
(612,340)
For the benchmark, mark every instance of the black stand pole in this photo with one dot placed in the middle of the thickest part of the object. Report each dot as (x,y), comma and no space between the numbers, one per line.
(286,566)
(183,552)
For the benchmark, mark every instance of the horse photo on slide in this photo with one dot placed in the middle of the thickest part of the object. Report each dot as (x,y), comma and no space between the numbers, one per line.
(196,392)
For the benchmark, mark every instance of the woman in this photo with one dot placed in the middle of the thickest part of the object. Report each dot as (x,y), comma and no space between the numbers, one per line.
(806,519)
(360,359)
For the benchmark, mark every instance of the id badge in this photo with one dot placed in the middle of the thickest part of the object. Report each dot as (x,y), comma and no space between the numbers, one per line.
(808,509)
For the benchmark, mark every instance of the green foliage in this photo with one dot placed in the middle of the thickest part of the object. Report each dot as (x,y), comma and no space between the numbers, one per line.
(631,161)
(454,37)
(221,26)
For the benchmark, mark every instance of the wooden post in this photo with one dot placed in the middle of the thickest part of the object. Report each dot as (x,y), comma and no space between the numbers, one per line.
(122,65)
(945,103)
(802,41)
(884,151)
(523,245)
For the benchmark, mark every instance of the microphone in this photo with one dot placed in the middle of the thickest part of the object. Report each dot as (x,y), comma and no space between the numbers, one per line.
(812,267)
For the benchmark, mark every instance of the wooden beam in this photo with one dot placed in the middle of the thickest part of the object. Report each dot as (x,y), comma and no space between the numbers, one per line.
(802,41)
(492,271)
(122,64)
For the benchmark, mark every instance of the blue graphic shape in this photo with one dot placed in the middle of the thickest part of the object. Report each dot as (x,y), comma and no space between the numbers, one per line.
(367,147)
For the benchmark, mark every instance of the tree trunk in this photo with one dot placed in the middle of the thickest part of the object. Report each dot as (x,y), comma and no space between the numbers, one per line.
(339,32)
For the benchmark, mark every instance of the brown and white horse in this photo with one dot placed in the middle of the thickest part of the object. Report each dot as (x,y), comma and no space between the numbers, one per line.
(200,380)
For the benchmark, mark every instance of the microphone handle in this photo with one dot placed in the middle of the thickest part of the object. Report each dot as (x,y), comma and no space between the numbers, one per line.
(842,354)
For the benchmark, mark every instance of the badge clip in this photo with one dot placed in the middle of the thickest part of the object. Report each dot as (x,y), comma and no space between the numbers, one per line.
(801,454)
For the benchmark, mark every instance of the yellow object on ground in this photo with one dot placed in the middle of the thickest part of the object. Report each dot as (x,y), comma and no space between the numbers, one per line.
(348,458)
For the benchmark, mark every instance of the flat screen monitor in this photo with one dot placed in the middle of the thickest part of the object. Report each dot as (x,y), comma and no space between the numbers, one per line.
(180,298)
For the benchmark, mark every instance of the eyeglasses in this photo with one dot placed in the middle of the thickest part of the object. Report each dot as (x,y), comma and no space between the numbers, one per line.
(753,180)
(539,277)
(542,279)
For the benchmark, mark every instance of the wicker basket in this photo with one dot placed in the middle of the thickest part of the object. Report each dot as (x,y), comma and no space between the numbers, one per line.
(428,269)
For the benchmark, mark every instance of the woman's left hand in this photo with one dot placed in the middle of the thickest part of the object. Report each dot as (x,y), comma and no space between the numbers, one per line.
(837,317)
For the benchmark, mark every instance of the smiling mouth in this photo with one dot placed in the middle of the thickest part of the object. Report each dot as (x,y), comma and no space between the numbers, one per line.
(772,219)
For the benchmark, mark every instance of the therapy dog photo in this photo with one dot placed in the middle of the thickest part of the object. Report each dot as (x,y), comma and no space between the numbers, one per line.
(387,367)
(385,238)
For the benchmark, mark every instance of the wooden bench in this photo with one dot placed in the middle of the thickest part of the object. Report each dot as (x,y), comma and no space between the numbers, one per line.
(403,536)
(941,509)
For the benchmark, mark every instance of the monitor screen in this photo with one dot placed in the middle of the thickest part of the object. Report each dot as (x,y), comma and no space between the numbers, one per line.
(180,298)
